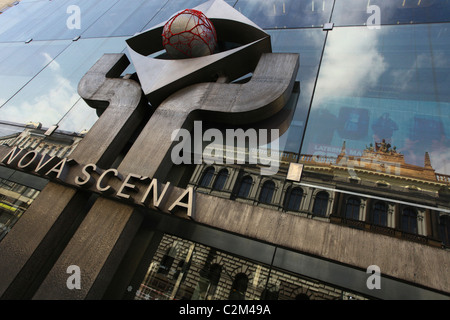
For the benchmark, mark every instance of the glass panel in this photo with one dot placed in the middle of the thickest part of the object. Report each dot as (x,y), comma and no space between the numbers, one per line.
(309,44)
(14,201)
(58,20)
(79,119)
(182,269)
(386,84)
(170,8)
(51,94)
(6,130)
(357,12)
(126,17)
(286,13)
(17,19)
(20,62)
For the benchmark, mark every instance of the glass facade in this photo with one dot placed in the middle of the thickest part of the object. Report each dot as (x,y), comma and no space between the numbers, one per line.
(374,75)
(185,270)
(14,201)
(363,83)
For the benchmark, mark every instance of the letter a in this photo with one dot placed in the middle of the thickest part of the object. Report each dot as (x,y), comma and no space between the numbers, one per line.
(374,21)
(374,281)
(74,21)
(74,281)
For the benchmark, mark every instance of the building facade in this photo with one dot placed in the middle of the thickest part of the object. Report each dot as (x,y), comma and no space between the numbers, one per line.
(358,207)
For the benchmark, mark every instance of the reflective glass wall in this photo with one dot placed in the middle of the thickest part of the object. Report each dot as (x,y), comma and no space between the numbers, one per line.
(380,73)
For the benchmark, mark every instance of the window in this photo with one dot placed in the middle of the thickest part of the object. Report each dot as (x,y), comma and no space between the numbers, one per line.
(167,261)
(267,192)
(221,178)
(244,187)
(444,229)
(293,199)
(207,177)
(239,287)
(352,208)
(409,220)
(379,215)
(321,204)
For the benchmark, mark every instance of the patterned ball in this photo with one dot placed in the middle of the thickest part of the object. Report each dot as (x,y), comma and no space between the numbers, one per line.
(189,34)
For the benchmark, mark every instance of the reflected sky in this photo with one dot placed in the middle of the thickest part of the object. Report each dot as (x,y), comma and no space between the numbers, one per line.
(53,92)
(20,62)
(390,83)
(384,84)
(286,13)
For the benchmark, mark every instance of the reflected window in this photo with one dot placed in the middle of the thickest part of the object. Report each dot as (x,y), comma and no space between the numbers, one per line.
(409,220)
(221,178)
(321,204)
(167,260)
(239,287)
(14,201)
(444,229)
(293,199)
(267,191)
(302,296)
(352,208)
(379,214)
(244,187)
(207,177)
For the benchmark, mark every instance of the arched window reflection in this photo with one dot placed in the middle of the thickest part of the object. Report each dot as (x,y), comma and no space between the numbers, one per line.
(221,178)
(352,208)
(444,229)
(293,199)
(379,215)
(267,191)
(207,177)
(239,287)
(244,187)
(321,204)
(409,220)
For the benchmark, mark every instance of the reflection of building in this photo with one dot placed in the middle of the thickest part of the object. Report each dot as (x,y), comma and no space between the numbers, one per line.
(18,190)
(353,191)
(252,236)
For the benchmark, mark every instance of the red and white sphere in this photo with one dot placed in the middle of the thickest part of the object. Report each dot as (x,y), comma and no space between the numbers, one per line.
(189,34)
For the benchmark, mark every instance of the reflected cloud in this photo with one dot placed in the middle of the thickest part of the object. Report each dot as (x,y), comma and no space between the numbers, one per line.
(352,64)
(55,98)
